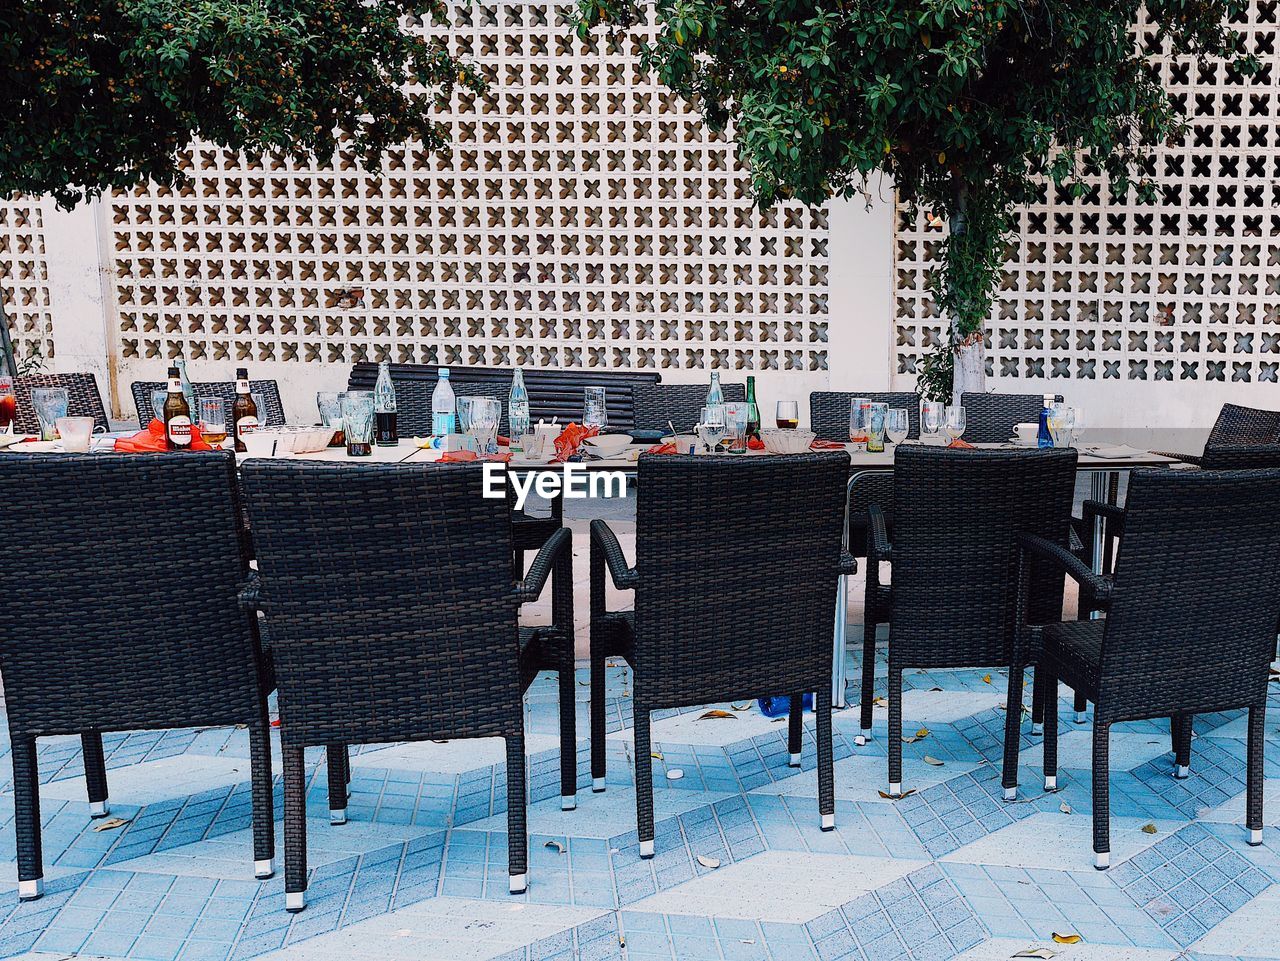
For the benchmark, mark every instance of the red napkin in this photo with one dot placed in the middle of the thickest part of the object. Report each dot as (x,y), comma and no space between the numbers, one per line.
(571,438)
(662,449)
(755,443)
(152,440)
(465,456)
(959,444)
(826,445)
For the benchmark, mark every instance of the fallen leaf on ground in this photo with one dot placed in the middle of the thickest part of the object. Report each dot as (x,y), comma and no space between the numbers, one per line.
(741,707)
(923,732)
(986,679)
(707,715)
(1067,938)
(929,759)
(1149,829)
(909,739)
(558,845)
(1064,807)
(707,862)
(675,774)
(896,797)
(1044,953)
(656,754)
(111,824)
(879,702)
(934,689)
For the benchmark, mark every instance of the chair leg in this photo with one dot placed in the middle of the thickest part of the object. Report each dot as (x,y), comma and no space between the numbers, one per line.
(1180,731)
(868,677)
(336,755)
(895,730)
(1101,795)
(598,744)
(1013,731)
(1050,697)
(795,729)
(826,758)
(644,780)
(517,838)
(26,817)
(295,829)
(1254,760)
(1082,707)
(95,773)
(264,828)
(568,730)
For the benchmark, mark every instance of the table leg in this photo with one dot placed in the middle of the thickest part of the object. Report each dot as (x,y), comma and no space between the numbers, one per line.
(837,672)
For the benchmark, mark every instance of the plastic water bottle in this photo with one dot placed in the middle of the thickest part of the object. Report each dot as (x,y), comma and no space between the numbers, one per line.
(778,706)
(1044,437)
(518,410)
(444,406)
(715,396)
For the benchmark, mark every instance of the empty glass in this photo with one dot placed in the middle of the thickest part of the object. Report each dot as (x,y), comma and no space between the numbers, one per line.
(594,411)
(158,398)
(898,425)
(260,403)
(788,415)
(213,420)
(357,422)
(486,413)
(1077,424)
(1061,422)
(877,415)
(932,413)
(711,427)
(464,413)
(329,403)
(954,423)
(859,415)
(76,433)
(49,403)
(735,423)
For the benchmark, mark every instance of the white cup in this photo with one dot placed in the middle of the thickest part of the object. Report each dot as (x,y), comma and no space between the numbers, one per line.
(1027,432)
(75,433)
(260,443)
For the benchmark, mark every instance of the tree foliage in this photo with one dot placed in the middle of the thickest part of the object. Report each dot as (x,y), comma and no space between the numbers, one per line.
(967,104)
(99,94)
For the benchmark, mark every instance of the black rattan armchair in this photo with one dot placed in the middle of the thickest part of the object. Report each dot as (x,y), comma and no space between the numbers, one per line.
(129,619)
(272,416)
(954,557)
(1240,456)
(1237,426)
(735,575)
(990,418)
(83,399)
(389,593)
(1188,631)
(829,410)
(681,404)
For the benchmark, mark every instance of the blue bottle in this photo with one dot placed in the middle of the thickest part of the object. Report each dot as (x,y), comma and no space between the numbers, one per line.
(1044,438)
(778,706)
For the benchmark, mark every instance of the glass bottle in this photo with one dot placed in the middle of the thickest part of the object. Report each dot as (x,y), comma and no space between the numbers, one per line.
(177,415)
(753,410)
(715,396)
(244,412)
(384,406)
(518,410)
(188,392)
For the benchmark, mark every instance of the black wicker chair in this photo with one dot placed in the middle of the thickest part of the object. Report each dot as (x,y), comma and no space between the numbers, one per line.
(1187,632)
(955,564)
(732,601)
(389,594)
(1237,426)
(681,404)
(1240,456)
(990,418)
(272,416)
(83,399)
(110,636)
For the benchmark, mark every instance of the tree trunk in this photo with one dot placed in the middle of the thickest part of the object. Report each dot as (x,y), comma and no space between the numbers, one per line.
(968,354)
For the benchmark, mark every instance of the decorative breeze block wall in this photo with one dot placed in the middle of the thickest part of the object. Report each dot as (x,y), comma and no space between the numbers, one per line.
(24,277)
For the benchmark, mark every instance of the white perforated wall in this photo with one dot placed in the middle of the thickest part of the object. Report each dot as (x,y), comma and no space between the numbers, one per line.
(24,278)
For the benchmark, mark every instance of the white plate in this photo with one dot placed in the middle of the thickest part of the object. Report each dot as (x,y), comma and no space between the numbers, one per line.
(8,439)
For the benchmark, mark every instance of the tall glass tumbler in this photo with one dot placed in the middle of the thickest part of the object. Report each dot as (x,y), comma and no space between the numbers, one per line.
(49,403)
(357,422)
(329,403)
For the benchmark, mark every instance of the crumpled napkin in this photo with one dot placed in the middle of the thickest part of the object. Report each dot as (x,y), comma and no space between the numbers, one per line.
(152,440)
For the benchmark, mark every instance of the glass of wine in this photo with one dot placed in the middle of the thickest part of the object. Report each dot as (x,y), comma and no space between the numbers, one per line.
(788,414)
(8,405)
(931,416)
(897,425)
(711,427)
(954,423)
(859,422)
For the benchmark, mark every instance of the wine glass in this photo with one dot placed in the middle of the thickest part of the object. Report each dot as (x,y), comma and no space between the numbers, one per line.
(931,417)
(898,425)
(954,421)
(711,426)
(788,415)
(594,412)
(1077,425)
(859,422)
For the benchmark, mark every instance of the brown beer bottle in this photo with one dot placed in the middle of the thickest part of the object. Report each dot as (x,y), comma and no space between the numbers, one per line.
(177,415)
(244,412)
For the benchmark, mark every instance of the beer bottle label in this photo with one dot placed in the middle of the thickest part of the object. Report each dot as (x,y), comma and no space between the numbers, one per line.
(246,425)
(242,387)
(179,431)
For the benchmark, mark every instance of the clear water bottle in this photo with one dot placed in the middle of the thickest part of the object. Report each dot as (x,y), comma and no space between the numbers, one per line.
(715,396)
(518,410)
(384,407)
(444,406)
(188,392)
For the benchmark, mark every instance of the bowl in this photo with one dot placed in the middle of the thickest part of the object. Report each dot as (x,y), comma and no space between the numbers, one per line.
(781,441)
(607,445)
(304,440)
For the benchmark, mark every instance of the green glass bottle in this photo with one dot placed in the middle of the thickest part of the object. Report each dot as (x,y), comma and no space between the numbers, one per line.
(753,410)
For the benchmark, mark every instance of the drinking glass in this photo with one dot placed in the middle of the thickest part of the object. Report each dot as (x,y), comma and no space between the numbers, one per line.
(260,403)
(8,405)
(735,422)
(534,445)
(711,427)
(75,433)
(1060,425)
(464,414)
(357,422)
(788,415)
(898,425)
(329,403)
(931,417)
(213,420)
(876,417)
(594,411)
(1077,424)
(49,403)
(859,417)
(486,413)
(158,397)
(954,421)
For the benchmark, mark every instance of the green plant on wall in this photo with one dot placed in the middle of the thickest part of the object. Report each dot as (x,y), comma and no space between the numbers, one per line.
(968,107)
(102,94)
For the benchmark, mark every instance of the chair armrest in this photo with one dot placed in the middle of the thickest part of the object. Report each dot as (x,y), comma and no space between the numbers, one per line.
(1097,585)
(1111,514)
(848,563)
(1185,458)
(250,594)
(878,546)
(530,589)
(603,537)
